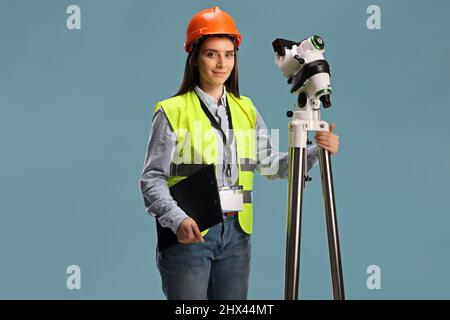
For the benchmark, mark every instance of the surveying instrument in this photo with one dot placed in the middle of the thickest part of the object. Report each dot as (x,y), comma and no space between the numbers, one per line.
(308,73)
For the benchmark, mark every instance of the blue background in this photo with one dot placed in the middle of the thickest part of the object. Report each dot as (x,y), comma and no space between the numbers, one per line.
(76,109)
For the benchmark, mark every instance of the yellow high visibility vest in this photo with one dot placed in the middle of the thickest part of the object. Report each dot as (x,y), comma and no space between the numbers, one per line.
(196,142)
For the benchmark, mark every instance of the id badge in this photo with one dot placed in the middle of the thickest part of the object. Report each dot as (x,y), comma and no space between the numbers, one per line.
(232,198)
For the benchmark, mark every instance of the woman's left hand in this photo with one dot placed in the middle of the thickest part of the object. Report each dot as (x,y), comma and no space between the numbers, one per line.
(328,140)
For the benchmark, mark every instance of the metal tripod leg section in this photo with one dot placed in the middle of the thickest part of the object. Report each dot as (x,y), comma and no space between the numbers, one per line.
(296,184)
(297,164)
(332,228)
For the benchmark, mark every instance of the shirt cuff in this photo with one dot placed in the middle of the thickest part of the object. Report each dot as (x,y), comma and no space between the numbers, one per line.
(283,170)
(173,219)
(313,156)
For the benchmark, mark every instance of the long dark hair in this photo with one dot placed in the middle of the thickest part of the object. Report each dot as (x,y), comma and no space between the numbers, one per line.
(191,74)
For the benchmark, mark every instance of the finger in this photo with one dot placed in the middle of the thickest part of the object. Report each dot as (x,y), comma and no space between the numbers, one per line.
(184,238)
(197,233)
(332,127)
(331,148)
(322,134)
(327,138)
(323,145)
(328,135)
(189,234)
(328,141)
(328,145)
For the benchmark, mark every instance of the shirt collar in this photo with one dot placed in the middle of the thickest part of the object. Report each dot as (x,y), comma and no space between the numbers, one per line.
(210,101)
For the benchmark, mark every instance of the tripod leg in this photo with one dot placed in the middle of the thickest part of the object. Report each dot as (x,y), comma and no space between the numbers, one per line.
(296,180)
(332,228)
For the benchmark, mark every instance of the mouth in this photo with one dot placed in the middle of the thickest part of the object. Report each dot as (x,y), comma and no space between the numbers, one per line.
(220,74)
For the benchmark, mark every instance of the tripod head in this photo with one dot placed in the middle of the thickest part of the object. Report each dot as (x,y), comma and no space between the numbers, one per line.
(306,69)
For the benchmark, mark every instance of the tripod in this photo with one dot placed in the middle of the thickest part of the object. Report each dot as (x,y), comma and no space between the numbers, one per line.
(304,120)
(308,73)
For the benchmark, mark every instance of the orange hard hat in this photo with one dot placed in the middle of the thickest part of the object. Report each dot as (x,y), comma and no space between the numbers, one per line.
(211,21)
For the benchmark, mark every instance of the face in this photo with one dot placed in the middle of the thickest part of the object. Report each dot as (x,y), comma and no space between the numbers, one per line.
(215,61)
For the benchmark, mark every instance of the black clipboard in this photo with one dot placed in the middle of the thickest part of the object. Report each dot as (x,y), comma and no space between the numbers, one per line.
(198,196)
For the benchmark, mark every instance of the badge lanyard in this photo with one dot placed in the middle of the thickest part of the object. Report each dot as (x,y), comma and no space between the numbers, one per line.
(216,125)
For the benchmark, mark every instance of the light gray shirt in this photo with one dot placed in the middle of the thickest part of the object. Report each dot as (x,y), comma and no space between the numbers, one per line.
(270,163)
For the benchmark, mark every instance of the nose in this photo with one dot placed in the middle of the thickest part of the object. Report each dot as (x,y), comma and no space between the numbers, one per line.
(221,62)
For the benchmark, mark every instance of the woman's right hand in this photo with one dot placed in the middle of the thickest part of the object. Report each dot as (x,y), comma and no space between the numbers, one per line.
(188,231)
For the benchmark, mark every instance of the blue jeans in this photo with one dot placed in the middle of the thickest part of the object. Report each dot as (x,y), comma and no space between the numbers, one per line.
(215,269)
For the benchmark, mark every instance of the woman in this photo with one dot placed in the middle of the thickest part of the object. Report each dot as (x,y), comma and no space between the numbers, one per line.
(215,263)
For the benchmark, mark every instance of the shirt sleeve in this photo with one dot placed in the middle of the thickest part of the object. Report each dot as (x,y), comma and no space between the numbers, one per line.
(153,182)
(271,163)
